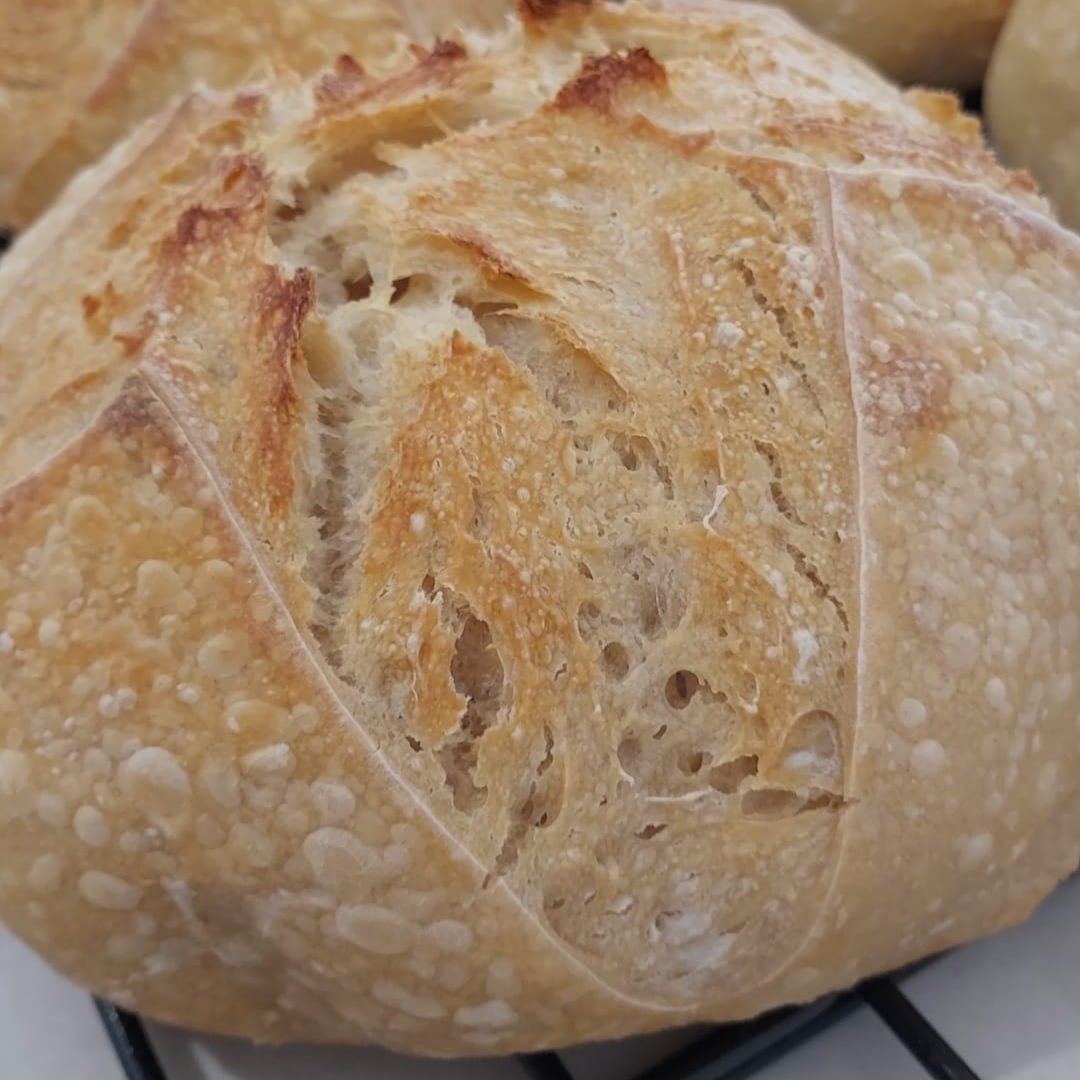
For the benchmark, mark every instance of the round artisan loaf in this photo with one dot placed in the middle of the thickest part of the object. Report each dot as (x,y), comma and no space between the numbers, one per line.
(938,42)
(576,538)
(76,75)
(1033,98)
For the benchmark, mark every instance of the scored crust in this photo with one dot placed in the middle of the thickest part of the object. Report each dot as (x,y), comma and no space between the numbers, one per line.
(568,540)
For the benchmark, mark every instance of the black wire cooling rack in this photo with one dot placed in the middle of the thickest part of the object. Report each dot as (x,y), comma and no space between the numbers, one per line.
(727,1052)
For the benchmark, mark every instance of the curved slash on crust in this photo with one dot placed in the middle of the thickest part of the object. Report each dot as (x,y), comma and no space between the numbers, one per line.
(160,395)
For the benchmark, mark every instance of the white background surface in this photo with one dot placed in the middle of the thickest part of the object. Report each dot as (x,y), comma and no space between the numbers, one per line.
(1010,1006)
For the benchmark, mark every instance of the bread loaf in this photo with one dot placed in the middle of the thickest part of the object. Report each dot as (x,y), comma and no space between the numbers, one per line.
(576,538)
(936,42)
(76,75)
(1033,98)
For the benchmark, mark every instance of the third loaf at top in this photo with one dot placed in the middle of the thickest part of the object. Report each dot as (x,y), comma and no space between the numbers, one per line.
(1033,98)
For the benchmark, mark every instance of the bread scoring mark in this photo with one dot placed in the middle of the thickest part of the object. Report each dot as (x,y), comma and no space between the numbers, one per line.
(855,140)
(345,80)
(493,263)
(536,12)
(282,304)
(358,862)
(526,812)
(224,220)
(161,914)
(602,78)
(646,612)
(347,86)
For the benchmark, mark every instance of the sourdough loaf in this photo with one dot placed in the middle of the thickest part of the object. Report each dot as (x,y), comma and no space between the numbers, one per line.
(76,75)
(937,42)
(576,538)
(1033,98)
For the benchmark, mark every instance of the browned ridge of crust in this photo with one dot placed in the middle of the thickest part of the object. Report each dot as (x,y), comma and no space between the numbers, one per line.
(573,538)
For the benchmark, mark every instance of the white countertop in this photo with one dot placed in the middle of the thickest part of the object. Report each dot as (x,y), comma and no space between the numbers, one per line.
(1010,1006)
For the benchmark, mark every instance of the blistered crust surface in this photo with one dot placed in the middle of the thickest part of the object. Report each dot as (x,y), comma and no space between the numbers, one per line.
(565,424)
(967,434)
(198,800)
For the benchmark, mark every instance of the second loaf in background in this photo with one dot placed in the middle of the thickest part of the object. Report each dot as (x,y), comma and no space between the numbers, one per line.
(1033,98)
(934,42)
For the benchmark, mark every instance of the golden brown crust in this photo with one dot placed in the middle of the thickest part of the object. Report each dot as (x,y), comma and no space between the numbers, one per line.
(174,933)
(969,488)
(487,557)
(601,77)
(541,10)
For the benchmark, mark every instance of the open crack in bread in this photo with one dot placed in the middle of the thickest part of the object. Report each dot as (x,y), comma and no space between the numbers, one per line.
(576,538)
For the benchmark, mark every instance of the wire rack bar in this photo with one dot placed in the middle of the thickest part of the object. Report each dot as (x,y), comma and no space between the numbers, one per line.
(130,1043)
(729,1052)
(919,1036)
(545,1066)
(732,1051)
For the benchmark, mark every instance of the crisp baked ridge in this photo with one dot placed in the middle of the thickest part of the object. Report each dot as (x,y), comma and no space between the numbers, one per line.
(547,546)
